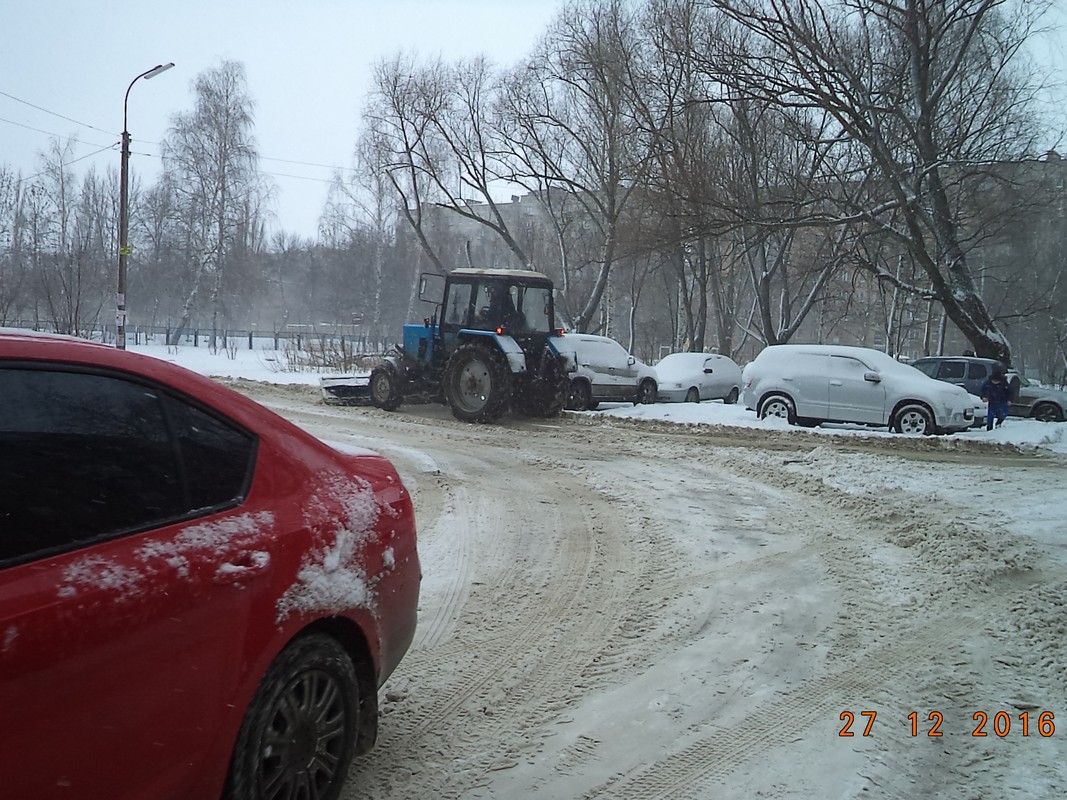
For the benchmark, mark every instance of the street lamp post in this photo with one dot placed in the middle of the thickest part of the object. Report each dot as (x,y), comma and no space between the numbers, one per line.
(124,210)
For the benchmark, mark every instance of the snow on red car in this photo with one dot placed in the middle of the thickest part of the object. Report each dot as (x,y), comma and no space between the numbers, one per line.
(197,598)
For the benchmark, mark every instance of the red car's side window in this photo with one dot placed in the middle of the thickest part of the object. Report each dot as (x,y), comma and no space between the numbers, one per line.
(88,456)
(216,458)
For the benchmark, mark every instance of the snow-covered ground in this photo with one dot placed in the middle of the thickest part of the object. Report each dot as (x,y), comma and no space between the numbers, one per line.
(682,601)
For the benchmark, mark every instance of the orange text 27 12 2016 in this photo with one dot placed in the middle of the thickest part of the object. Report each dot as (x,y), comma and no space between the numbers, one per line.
(932,724)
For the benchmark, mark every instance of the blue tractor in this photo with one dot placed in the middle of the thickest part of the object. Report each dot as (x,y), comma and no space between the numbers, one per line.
(490,346)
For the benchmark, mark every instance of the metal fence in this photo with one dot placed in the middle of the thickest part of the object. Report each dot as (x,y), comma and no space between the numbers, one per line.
(341,339)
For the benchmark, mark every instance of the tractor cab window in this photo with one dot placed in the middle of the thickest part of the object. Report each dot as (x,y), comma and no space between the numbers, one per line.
(458,304)
(497,305)
(512,306)
(534,304)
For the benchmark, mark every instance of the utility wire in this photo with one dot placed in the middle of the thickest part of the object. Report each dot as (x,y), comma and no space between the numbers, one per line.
(38,130)
(68,163)
(93,127)
(53,113)
(307,164)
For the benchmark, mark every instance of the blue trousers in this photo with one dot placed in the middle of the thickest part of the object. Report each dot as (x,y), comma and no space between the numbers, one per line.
(997,411)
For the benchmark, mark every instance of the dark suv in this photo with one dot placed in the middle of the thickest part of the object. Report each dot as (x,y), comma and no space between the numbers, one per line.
(970,372)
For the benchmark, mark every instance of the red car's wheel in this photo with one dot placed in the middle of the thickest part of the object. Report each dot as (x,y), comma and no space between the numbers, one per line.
(299,734)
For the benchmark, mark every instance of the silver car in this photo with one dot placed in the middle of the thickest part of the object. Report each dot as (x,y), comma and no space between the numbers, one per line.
(811,384)
(692,377)
(606,373)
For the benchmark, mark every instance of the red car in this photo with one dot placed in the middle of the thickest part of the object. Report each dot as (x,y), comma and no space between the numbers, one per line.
(197,598)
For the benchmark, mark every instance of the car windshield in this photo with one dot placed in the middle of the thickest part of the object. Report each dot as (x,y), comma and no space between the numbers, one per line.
(926,367)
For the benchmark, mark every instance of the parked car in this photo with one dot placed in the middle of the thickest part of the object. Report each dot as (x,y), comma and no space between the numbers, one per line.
(811,384)
(970,372)
(196,596)
(692,377)
(606,373)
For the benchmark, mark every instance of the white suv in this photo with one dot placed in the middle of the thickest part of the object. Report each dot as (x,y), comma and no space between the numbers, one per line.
(606,372)
(808,384)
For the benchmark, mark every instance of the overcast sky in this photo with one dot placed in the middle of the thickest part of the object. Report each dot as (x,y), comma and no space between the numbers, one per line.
(308,66)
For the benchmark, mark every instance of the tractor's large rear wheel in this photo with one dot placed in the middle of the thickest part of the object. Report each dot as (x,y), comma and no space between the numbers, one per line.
(477,384)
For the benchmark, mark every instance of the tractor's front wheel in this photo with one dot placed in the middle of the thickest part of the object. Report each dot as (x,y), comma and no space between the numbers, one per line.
(385,388)
(546,395)
(477,384)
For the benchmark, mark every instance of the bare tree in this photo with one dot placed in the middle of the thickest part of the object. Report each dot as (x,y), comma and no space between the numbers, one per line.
(12,244)
(212,163)
(399,139)
(66,235)
(362,206)
(671,92)
(922,92)
(576,139)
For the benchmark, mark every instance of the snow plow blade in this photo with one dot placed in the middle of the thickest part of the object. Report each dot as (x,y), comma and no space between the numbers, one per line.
(347,390)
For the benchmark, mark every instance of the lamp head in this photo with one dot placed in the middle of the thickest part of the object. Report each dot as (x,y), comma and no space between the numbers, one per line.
(157,70)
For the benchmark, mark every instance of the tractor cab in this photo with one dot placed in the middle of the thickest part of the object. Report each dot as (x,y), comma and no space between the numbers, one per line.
(512,302)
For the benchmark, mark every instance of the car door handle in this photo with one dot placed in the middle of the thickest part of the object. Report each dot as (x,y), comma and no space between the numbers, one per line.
(836,383)
(243,567)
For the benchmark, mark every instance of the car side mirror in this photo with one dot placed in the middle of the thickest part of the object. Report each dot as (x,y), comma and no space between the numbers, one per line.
(872,376)
(631,361)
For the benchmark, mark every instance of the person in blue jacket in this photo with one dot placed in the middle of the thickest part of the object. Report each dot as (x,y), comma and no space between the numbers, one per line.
(996,393)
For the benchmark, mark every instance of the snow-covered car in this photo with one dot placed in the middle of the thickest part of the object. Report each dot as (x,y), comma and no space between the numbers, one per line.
(197,598)
(692,377)
(811,384)
(970,372)
(606,373)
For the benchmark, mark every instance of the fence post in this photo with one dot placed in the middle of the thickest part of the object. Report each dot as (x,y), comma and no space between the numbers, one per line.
(196,338)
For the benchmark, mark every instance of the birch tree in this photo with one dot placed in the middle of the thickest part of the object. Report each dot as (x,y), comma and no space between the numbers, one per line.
(211,160)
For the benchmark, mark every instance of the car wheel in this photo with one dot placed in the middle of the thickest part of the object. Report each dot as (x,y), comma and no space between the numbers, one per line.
(385,388)
(580,397)
(646,393)
(1047,412)
(731,398)
(778,406)
(692,396)
(915,420)
(299,733)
